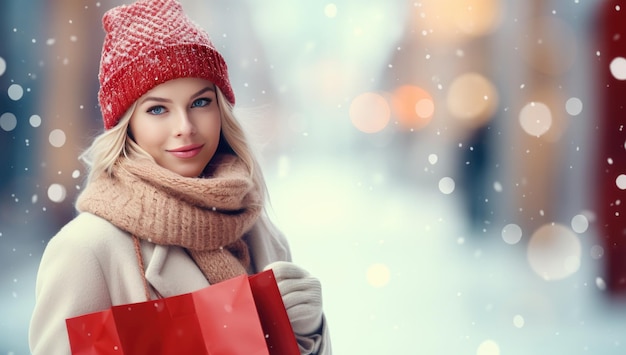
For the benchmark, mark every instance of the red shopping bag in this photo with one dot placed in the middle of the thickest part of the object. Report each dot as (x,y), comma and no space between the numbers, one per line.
(274,319)
(219,319)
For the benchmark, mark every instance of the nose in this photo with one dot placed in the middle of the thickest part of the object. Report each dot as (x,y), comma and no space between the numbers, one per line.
(184,124)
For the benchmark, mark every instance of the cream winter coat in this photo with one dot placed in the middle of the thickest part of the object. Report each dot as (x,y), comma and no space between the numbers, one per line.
(90,265)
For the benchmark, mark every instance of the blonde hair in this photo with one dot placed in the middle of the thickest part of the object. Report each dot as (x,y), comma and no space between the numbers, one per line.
(100,157)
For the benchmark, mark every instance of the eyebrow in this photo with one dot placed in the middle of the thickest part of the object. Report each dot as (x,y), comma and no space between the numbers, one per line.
(161,99)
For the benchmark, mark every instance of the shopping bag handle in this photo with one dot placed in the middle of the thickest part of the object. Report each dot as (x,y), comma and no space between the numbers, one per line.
(146,287)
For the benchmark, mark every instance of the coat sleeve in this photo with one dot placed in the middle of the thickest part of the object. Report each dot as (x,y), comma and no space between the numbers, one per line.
(70,282)
(316,344)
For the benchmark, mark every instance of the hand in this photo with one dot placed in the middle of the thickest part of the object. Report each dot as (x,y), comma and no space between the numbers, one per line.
(302,296)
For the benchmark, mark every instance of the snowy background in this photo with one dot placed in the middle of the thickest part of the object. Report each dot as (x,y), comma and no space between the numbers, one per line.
(429,161)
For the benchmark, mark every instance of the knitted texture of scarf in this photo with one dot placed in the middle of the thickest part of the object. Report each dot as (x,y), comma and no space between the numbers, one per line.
(206,216)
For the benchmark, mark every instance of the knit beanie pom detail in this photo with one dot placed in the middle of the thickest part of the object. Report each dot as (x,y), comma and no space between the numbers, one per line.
(148,43)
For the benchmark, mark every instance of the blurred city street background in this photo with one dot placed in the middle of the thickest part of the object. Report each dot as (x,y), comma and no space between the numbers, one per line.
(451,170)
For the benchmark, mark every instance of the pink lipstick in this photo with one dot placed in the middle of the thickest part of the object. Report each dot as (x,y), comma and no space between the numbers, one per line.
(188,151)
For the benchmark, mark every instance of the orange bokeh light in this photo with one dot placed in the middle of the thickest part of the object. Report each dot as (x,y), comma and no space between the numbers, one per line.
(413,106)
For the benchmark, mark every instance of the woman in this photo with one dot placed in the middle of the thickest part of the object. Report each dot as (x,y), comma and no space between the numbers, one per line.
(174,199)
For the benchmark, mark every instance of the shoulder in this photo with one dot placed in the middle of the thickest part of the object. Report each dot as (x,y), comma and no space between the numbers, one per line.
(89,230)
(88,237)
(87,222)
(85,254)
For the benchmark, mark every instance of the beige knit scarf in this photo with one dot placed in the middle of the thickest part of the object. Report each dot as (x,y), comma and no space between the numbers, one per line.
(206,216)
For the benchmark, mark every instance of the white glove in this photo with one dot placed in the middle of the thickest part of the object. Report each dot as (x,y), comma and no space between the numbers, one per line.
(302,296)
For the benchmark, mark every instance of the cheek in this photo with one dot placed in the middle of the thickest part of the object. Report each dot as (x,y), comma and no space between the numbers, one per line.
(210,127)
(145,134)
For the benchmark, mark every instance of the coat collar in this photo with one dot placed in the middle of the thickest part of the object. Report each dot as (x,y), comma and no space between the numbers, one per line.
(170,270)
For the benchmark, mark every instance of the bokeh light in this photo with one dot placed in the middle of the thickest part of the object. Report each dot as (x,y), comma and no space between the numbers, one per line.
(15,92)
(580,223)
(433,159)
(35,121)
(57,193)
(518,321)
(554,252)
(472,98)
(3,66)
(574,106)
(330,10)
(512,233)
(8,121)
(535,118)
(57,138)
(370,112)
(378,275)
(620,181)
(600,283)
(488,347)
(618,68)
(446,185)
(413,106)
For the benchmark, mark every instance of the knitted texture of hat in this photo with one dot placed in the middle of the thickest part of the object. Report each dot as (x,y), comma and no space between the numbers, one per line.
(148,43)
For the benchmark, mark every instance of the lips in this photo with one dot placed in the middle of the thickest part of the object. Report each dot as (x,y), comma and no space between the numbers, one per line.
(188,151)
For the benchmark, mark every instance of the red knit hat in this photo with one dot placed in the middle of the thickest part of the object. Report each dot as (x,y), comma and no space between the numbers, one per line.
(148,43)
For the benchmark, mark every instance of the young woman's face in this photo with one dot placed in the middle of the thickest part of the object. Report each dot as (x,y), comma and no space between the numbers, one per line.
(178,124)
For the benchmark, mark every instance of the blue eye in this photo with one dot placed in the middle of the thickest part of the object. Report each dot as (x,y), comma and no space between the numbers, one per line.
(201,102)
(156,110)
